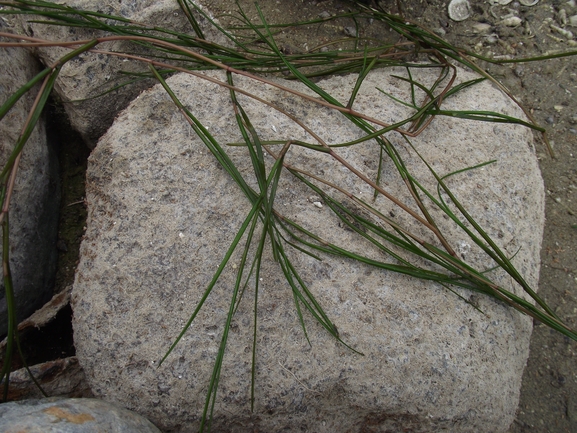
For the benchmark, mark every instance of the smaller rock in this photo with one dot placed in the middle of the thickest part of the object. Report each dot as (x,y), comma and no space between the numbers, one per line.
(350,31)
(528,2)
(573,20)
(481,28)
(511,22)
(78,415)
(519,71)
(440,31)
(492,39)
(459,10)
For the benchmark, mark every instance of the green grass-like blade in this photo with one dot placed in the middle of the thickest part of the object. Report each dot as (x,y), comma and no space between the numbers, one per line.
(15,97)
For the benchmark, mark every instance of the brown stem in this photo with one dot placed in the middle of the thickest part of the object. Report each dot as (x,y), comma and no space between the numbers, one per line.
(201,58)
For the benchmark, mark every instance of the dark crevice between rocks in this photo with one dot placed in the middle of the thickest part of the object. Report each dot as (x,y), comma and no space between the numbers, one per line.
(47,335)
(49,342)
(73,158)
(54,340)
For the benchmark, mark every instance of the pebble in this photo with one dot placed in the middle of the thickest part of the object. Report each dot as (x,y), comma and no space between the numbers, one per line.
(492,39)
(550,120)
(511,22)
(573,20)
(350,31)
(519,71)
(459,10)
(481,28)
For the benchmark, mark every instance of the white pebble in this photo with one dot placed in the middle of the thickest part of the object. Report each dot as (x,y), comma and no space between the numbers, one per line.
(459,10)
(512,22)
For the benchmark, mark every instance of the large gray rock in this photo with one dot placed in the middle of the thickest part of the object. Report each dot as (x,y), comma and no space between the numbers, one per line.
(90,75)
(162,214)
(34,205)
(72,415)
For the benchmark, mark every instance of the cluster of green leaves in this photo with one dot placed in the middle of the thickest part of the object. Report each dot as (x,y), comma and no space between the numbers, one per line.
(166,51)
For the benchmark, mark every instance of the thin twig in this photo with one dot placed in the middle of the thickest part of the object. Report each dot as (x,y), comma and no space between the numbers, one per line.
(202,58)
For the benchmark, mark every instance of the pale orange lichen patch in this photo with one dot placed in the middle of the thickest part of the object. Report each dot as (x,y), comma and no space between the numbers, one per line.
(80,418)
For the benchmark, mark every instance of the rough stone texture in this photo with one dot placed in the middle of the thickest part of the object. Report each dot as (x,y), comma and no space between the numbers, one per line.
(162,214)
(74,415)
(34,205)
(90,75)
